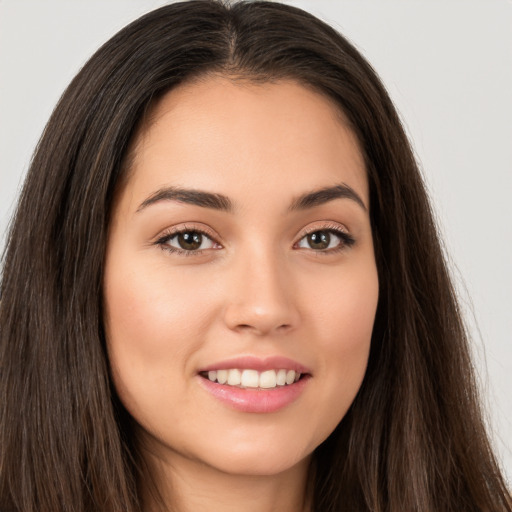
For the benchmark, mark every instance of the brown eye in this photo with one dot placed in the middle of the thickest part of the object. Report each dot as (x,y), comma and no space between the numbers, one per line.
(190,241)
(319,240)
(325,240)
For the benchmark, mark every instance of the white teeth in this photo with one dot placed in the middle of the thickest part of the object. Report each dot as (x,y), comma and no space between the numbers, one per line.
(253,379)
(234,377)
(281,377)
(250,379)
(268,379)
(222,376)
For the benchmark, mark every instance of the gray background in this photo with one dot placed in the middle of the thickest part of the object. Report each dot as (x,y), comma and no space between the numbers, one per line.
(448,67)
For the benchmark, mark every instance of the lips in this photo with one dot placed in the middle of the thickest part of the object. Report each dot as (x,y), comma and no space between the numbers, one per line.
(251,384)
(258,364)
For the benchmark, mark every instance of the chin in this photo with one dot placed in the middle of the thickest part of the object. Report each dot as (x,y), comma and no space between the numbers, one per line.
(260,464)
(256,452)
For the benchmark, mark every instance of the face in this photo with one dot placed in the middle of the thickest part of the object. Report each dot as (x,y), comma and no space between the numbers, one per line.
(240,283)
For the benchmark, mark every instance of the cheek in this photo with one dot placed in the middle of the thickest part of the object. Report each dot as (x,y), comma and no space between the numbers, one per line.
(152,328)
(150,311)
(344,311)
(137,319)
(344,316)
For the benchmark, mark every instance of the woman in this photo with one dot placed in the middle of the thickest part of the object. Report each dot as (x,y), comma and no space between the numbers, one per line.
(238,294)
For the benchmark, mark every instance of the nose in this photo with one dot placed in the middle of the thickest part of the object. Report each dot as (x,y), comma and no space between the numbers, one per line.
(262,299)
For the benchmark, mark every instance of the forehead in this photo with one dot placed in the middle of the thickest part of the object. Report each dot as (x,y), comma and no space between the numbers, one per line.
(217,133)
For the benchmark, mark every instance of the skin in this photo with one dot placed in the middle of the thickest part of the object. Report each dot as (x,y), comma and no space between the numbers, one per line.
(257,289)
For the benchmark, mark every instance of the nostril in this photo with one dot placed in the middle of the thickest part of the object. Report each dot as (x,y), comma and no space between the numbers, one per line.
(260,317)
(262,328)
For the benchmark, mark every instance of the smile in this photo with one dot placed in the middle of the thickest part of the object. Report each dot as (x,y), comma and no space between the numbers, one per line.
(254,384)
(253,379)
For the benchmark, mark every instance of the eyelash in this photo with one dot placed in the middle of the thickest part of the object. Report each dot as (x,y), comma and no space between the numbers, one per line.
(346,240)
(163,241)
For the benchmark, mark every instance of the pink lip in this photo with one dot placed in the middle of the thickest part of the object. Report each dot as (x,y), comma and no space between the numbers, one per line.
(255,400)
(258,364)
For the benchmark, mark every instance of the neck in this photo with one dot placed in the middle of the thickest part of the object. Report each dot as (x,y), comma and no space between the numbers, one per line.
(186,485)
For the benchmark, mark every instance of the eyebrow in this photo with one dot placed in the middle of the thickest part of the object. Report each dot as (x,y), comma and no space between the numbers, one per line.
(324,195)
(189,196)
(223,203)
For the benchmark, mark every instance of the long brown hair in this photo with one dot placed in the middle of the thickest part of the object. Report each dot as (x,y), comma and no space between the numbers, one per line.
(413,439)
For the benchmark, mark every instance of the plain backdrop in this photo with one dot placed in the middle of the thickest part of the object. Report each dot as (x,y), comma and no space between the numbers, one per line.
(447,65)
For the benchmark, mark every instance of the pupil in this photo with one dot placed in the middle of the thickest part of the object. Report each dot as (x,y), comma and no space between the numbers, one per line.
(319,240)
(190,241)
